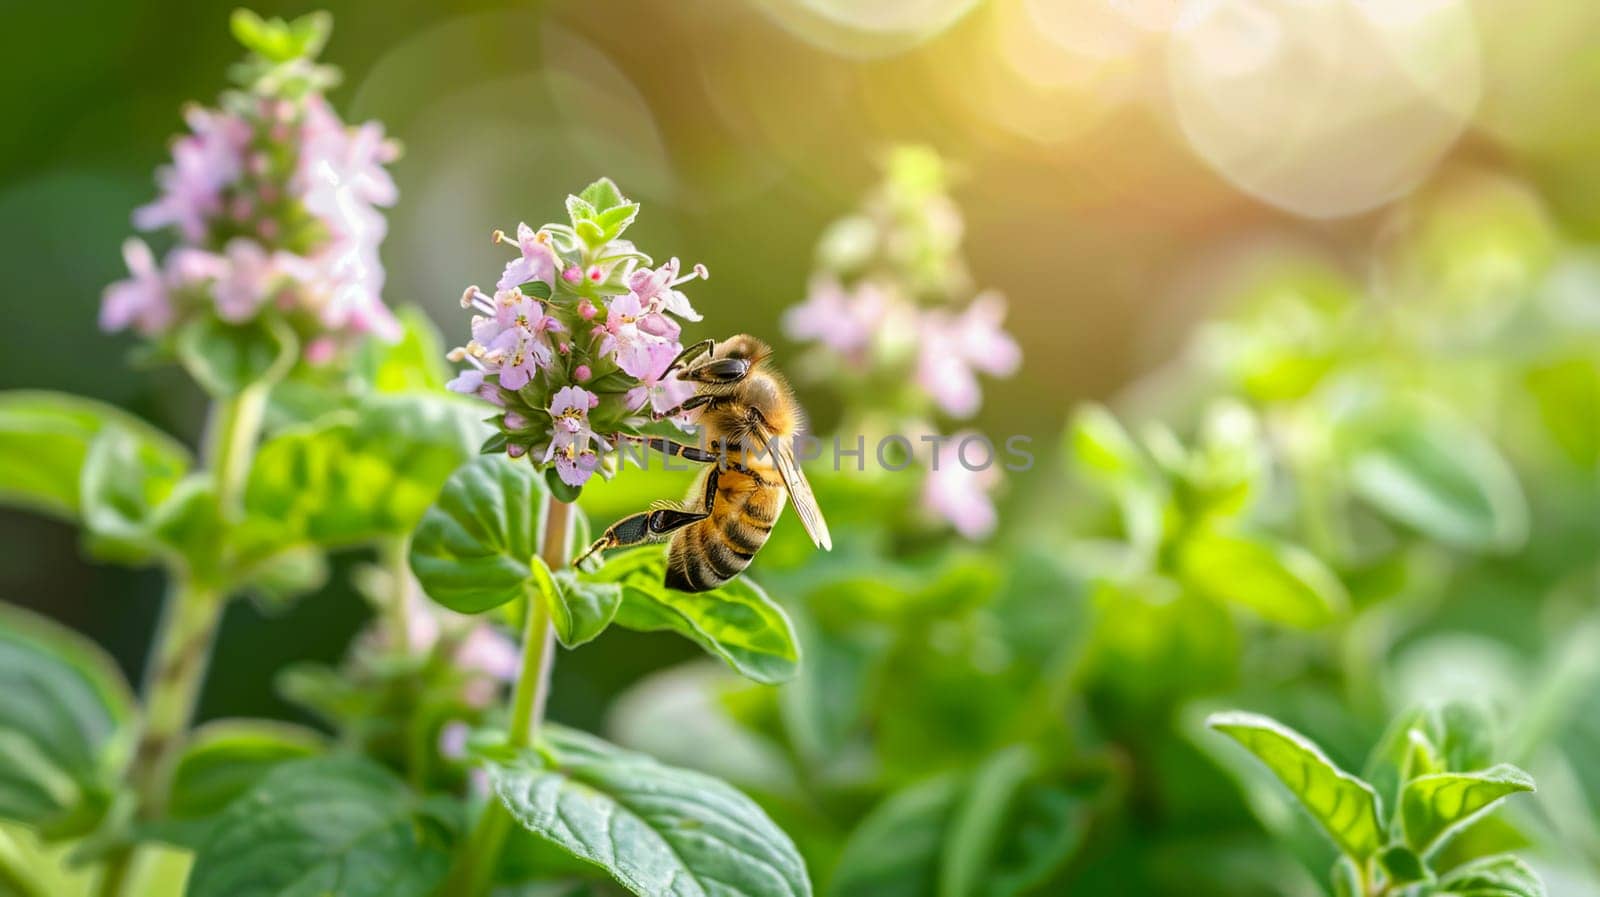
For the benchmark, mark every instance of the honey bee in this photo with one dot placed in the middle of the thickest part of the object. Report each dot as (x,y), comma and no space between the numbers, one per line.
(749,418)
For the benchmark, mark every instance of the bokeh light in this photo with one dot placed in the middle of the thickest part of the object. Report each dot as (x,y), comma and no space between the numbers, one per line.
(1325,108)
(866,30)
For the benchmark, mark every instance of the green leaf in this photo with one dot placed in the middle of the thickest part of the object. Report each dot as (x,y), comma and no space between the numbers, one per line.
(65,725)
(602,195)
(895,850)
(45,437)
(226,758)
(658,830)
(1346,878)
(736,622)
(1420,758)
(1403,865)
(1503,876)
(1557,387)
(579,210)
(1103,449)
(1011,831)
(1462,734)
(1345,806)
(826,701)
(591,232)
(352,477)
(413,363)
(1433,807)
(309,33)
(1005,830)
(187,526)
(614,221)
(1279,583)
(126,482)
(1442,478)
(252,31)
(1454,736)
(278,41)
(472,549)
(226,358)
(579,609)
(1222,471)
(334,825)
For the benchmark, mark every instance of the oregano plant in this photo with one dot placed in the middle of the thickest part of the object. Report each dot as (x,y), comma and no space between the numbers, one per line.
(572,352)
(327,430)
(1399,848)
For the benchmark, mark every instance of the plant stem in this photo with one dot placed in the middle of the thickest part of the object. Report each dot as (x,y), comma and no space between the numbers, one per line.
(393,554)
(538,637)
(231,442)
(474,870)
(188,625)
(172,684)
(193,608)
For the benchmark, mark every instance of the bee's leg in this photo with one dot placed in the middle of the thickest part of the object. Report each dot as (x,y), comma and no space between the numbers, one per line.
(688,452)
(646,526)
(711,489)
(690,353)
(688,404)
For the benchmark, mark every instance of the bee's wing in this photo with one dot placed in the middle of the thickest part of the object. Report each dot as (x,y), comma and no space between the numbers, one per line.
(805,503)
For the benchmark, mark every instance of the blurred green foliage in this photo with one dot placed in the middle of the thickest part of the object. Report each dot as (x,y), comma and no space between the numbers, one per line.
(1365,489)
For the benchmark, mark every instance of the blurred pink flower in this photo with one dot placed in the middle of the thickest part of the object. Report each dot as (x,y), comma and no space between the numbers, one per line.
(486,650)
(338,179)
(320,351)
(954,348)
(251,274)
(487,656)
(203,163)
(957,494)
(453,740)
(844,321)
(338,161)
(141,300)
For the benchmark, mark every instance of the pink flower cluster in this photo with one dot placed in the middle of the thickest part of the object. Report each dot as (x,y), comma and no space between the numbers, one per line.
(575,343)
(958,494)
(871,326)
(484,655)
(275,203)
(890,305)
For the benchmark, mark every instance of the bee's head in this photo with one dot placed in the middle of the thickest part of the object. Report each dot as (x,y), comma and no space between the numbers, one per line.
(733,359)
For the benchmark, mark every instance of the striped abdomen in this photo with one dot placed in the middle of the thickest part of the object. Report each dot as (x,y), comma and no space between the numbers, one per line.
(707,554)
